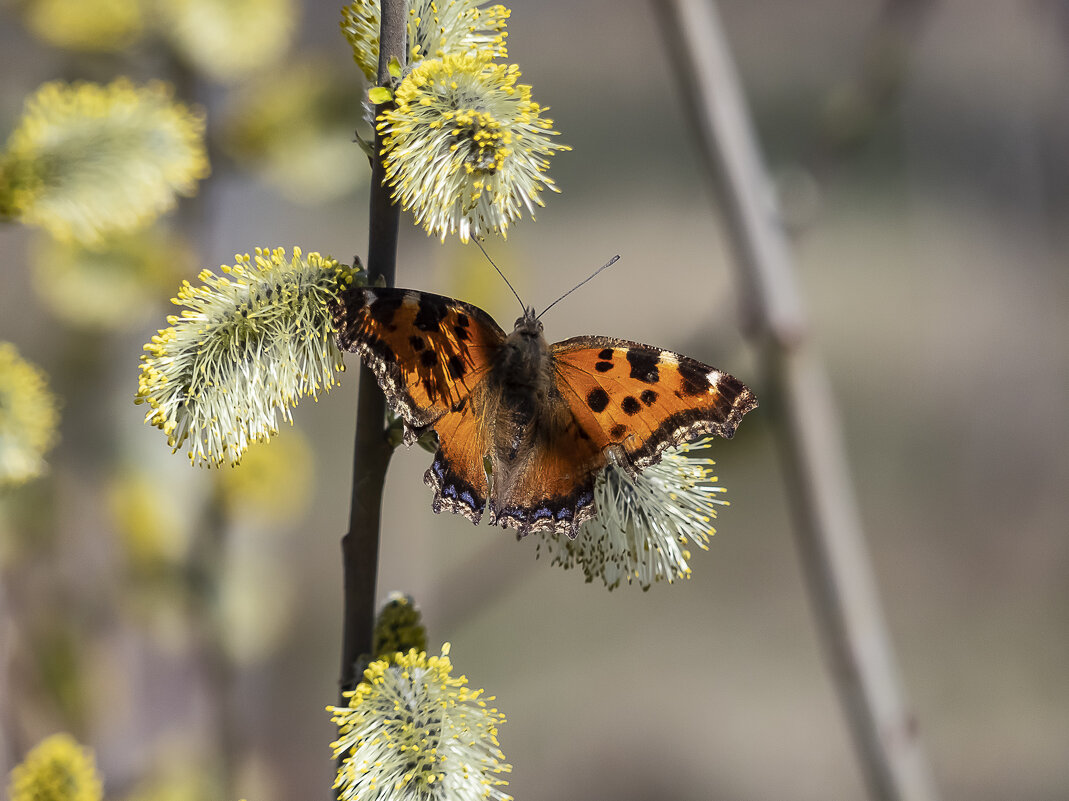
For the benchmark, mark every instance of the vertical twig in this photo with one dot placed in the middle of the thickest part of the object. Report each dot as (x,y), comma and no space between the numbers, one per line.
(7,688)
(371,451)
(205,570)
(833,552)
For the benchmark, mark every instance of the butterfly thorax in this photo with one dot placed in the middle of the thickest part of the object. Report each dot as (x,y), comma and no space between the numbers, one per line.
(524,364)
(521,382)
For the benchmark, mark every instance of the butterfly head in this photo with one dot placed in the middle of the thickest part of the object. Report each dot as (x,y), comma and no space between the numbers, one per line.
(529,325)
(525,355)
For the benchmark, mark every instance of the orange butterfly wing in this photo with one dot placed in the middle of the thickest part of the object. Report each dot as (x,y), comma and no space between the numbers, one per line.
(429,354)
(457,475)
(551,488)
(640,400)
(612,396)
(427,351)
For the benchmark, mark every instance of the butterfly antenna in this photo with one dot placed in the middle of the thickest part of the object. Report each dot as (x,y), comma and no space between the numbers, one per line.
(514,292)
(605,266)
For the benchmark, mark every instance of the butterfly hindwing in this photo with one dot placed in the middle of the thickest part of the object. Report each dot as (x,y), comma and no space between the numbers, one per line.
(550,485)
(427,351)
(457,474)
(642,399)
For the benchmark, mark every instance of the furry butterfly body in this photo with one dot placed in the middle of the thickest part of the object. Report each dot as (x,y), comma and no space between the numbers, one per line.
(545,419)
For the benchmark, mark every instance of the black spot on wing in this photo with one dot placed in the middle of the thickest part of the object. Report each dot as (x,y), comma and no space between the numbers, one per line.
(428,359)
(729,389)
(603,367)
(456,366)
(384,307)
(648,396)
(617,431)
(429,316)
(597,399)
(351,301)
(644,365)
(605,354)
(695,377)
(417,343)
(461,333)
(630,405)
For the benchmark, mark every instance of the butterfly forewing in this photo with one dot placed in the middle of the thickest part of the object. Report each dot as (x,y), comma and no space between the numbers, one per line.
(427,351)
(644,399)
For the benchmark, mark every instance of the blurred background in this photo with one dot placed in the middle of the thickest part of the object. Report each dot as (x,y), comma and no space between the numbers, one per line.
(185,623)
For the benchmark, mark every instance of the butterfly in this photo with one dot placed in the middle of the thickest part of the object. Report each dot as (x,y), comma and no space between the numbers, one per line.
(524,426)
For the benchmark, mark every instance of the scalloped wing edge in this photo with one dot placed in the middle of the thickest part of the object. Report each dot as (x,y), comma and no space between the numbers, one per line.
(557,515)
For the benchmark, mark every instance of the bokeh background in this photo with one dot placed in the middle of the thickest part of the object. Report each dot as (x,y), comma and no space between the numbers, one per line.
(185,623)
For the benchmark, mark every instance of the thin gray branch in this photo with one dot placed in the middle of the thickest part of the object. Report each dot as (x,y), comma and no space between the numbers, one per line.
(837,568)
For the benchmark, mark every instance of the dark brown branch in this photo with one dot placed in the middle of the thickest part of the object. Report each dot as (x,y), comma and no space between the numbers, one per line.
(834,556)
(371,451)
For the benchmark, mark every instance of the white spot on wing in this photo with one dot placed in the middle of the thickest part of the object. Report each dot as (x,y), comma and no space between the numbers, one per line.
(714,378)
